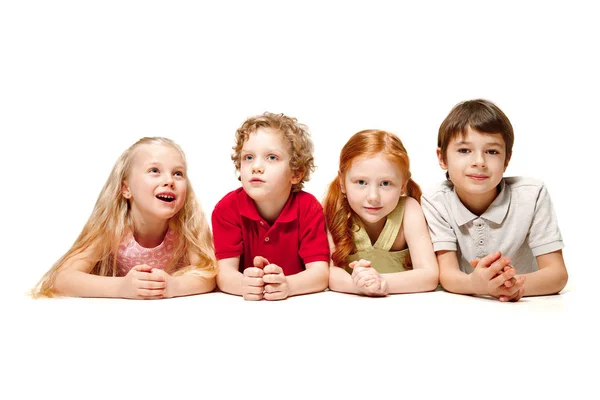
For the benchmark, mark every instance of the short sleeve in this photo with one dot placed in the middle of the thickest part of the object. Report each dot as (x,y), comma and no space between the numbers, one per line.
(313,235)
(227,232)
(544,235)
(440,230)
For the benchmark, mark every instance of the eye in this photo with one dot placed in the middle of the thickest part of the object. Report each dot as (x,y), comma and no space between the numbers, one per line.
(272,157)
(361,182)
(247,157)
(178,174)
(463,151)
(493,152)
(386,183)
(153,170)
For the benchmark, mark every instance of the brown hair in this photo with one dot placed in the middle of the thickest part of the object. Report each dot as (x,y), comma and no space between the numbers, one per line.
(338,213)
(295,134)
(482,116)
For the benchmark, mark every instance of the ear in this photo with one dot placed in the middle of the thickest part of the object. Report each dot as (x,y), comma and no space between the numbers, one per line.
(441,161)
(341,181)
(404,188)
(125,190)
(506,162)
(297,177)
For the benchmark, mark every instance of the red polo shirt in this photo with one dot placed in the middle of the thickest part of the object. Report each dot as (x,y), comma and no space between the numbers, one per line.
(297,237)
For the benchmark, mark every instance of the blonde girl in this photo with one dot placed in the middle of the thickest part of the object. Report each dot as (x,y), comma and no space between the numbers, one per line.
(378,235)
(147,237)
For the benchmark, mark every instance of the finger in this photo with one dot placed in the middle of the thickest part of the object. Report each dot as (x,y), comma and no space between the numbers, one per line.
(273,269)
(275,296)
(151,285)
(149,293)
(274,278)
(254,272)
(510,282)
(144,276)
(474,262)
(489,259)
(352,264)
(253,290)
(253,297)
(495,268)
(257,282)
(272,288)
(142,267)
(503,277)
(260,262)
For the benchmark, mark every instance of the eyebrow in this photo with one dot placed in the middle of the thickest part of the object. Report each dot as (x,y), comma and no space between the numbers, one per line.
(158,164)
(489,143)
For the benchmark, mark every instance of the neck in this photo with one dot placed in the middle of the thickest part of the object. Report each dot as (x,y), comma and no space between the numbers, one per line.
(149,232)
(374,229)
(478,203)
(270,209)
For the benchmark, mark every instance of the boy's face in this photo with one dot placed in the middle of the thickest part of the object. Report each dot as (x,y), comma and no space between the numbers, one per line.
(265,166)
(475,163)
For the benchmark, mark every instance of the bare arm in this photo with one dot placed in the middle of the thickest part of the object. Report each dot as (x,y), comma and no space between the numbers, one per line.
(425,273)
(339,279)
(313,279)
(451,277)
(551,277)
(229,278)
(75,280)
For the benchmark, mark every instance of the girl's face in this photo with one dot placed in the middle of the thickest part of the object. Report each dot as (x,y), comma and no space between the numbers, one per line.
(156,186)
(373,186)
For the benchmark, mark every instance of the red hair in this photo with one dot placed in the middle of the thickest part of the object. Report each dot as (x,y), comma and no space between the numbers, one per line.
(338,213)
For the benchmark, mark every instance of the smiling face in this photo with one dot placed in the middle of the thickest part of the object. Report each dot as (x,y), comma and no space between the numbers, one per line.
(373,186)
(265,166)
(476,163)
(156,184)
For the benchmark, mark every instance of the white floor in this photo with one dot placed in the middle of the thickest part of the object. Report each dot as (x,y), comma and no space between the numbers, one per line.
(310,346)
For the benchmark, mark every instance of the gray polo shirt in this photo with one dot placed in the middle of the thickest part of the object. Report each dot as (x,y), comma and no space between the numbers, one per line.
(520,223)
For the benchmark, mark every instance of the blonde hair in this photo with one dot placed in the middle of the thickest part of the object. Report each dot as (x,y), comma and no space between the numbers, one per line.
(338,213)
(296,135)
(111,219)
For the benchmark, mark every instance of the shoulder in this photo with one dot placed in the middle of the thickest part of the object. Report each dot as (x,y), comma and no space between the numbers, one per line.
(307,201)
(438,191)
(230,199)
(524,187)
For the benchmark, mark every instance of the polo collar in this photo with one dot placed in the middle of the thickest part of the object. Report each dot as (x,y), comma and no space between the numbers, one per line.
(248,209)
(495,213)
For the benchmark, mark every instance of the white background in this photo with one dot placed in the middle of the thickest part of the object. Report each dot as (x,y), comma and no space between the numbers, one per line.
(82,81)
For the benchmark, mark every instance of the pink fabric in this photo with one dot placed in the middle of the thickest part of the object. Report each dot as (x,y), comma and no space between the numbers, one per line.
(132,254)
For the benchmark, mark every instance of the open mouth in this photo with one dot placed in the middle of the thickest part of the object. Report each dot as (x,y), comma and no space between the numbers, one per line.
(167,198)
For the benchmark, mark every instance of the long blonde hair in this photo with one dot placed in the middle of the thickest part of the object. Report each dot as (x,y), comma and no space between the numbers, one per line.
(338,214)
(111,220)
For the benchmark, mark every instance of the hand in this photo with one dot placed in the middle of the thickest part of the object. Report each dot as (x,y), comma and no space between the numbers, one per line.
(494,276)
(509,283)
(170,289)
(276,285)
(368,281)
(252,281)
(139,283)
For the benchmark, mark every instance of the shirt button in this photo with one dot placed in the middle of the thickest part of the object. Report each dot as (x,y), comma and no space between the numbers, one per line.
(267,239)
(481,241)
(262,223)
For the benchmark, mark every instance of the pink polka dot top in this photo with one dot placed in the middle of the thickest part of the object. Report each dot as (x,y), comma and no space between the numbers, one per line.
(132,254)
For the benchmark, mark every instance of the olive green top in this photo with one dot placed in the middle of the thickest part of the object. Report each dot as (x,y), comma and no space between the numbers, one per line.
(382,259)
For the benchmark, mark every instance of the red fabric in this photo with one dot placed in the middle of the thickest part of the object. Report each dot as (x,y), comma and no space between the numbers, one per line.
(297,237)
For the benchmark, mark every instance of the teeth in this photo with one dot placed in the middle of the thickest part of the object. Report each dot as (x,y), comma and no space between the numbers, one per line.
(165,197)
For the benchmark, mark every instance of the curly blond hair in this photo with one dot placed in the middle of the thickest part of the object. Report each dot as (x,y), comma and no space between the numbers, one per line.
(296,135)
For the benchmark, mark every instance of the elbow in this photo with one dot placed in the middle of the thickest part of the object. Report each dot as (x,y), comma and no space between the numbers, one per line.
(562,280)
(324,279)
(433,279)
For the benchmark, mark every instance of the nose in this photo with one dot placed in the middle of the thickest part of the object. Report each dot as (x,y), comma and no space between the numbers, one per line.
(373,197)
(257,166)
(169,181)
(478,159)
